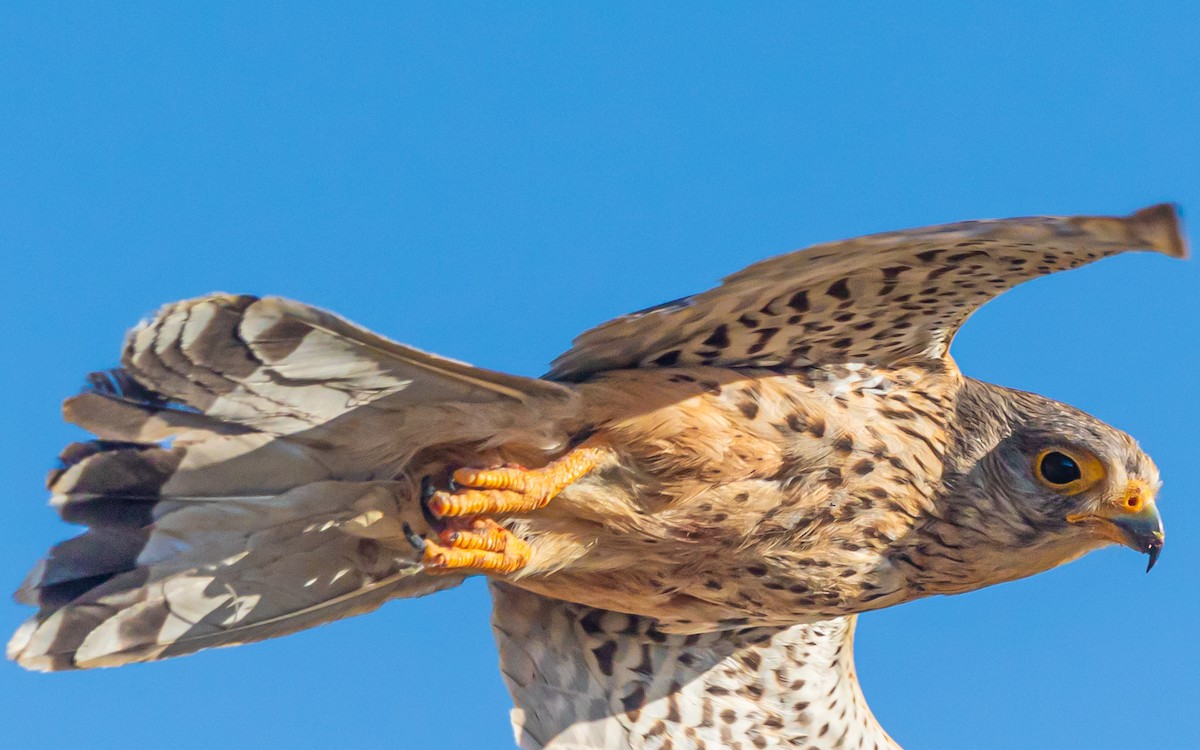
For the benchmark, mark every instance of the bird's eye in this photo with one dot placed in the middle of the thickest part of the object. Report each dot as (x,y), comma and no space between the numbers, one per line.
(1058,468)
(1068,472)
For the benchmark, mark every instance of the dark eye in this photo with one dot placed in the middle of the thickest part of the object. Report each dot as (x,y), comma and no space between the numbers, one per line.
(1059,468)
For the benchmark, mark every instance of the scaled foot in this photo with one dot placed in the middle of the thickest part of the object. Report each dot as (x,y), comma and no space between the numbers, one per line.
(472,541)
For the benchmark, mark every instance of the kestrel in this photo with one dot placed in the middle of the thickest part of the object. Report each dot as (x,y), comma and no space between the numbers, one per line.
(682,518)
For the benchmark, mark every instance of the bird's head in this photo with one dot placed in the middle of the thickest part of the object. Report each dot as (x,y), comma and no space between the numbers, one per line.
(1048,483)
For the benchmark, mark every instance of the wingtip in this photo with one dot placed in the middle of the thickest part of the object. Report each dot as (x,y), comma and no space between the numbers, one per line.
(1161,228)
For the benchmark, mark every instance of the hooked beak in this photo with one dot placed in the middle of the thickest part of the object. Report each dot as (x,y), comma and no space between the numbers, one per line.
(1133,520)
(1143,531)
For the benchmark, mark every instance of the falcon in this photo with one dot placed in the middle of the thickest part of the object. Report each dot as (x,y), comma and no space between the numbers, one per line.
(681,520)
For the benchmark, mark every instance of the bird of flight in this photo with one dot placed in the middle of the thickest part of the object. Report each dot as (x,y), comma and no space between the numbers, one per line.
(681,520)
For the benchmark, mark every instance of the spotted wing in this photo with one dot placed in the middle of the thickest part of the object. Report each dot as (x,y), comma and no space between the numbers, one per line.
(584,678)
(875,299)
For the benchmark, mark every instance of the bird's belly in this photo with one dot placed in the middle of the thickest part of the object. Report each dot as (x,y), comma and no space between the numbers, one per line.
(701,568)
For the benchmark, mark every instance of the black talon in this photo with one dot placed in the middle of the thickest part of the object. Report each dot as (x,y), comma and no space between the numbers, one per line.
(427,490)
(415,539)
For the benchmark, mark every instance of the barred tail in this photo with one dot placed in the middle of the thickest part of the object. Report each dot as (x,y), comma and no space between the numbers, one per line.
(252,475)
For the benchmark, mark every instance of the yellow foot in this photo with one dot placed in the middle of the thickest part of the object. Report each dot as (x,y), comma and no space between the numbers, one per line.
(511,490)
(479,545)
(469,541)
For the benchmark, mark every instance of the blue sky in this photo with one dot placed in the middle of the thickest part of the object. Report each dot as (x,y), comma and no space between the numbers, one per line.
(487,180)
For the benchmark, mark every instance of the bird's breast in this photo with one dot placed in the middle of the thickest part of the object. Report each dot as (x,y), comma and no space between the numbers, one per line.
(744,497)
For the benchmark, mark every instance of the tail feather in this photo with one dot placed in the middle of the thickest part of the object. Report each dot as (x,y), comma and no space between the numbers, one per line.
(121,417)
(280,366)
(251,478)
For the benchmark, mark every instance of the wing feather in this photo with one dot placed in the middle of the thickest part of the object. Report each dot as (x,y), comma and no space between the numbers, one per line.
(874,299)
(584,678)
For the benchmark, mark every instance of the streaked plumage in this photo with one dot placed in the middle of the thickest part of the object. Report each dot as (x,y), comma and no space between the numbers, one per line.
(584,678)
(764,461)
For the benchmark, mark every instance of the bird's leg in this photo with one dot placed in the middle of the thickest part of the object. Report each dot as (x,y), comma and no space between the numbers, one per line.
(471,541)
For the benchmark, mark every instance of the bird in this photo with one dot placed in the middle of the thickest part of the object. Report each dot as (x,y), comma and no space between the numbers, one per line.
(680,522)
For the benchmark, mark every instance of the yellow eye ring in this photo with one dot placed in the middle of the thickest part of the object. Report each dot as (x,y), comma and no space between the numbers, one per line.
(1066,471)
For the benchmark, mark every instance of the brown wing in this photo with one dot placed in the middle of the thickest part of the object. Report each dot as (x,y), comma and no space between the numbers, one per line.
(584,679)
(874,299)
